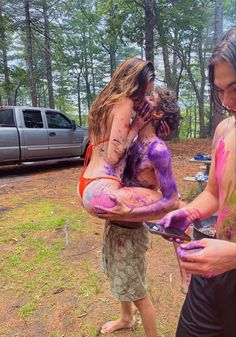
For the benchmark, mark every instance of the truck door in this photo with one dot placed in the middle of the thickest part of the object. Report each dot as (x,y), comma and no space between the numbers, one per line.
(64,140)
(9,138)
(34,136)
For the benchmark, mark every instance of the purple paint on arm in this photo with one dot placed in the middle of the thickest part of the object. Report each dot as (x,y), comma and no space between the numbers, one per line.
(160,156)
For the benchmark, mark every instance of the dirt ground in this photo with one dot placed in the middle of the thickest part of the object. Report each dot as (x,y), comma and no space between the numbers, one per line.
(70,297)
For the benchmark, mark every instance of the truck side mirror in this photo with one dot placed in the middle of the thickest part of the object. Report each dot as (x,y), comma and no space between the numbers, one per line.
(73,125)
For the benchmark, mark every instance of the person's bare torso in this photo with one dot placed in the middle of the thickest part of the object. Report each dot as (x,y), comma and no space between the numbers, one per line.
(225,170)
(139,169)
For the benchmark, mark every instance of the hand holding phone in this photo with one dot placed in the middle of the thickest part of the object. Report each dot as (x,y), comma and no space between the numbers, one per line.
(167,233)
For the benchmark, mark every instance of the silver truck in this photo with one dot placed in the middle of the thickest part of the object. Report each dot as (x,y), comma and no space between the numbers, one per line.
(31,134)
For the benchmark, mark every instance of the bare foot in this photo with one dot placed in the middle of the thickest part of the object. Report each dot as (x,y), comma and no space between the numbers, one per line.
(112,326)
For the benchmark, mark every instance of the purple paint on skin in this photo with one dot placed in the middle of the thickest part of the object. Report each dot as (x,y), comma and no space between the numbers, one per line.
(191,245)
(185,255)
(160,155)
(178,220)
(97,197)
(152,155)
(109,170)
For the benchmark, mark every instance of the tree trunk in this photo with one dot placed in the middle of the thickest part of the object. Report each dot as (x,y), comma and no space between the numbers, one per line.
(48,57)
(86,74)
(112,44)
(91,58)
(149,30)
(199,92)
(29,49)
(79,101)
(16,92)
(7,84)
(112,53)
(163,42)
(218,32)
(201,105)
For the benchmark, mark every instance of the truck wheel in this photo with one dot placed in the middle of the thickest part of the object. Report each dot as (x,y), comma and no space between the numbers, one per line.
(83,155)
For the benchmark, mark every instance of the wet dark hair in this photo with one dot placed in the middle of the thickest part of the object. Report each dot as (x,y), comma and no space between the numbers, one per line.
(169,105)
(225,51)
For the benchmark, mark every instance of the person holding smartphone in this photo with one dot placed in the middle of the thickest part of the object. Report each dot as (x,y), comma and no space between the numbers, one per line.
(210,306)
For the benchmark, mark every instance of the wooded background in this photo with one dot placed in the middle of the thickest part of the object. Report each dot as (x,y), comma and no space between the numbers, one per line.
(61,53)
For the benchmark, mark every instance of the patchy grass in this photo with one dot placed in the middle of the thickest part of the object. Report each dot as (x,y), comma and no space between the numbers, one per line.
(50,281)
(47,277)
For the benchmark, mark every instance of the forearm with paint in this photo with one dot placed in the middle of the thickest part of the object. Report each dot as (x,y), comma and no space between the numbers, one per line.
(153,211)
(192,214)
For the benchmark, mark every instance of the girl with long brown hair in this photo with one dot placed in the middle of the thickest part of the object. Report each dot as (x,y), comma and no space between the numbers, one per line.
(111,135)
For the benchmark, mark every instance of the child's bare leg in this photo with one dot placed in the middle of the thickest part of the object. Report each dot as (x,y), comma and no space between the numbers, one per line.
(126,321)
(148,316)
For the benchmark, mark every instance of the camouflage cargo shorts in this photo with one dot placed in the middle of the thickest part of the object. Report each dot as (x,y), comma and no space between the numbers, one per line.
(123,261)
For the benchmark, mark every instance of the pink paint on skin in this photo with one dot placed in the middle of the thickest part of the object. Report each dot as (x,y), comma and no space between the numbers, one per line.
(102,199)
(221,161)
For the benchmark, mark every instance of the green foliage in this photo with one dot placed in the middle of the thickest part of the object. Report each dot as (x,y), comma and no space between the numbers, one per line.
(192,194)
(90,38)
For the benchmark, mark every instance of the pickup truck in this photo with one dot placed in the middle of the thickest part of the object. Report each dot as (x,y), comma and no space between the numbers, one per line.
(32,134)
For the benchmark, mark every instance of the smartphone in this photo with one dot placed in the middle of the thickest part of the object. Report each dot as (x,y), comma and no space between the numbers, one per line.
(167,233)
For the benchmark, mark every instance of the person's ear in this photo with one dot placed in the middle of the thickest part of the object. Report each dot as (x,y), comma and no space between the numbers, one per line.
(157,115)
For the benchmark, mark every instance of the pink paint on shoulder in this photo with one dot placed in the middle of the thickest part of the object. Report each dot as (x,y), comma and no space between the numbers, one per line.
(221,162)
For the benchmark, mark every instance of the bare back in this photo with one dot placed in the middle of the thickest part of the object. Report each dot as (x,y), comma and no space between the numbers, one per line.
(106,157)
